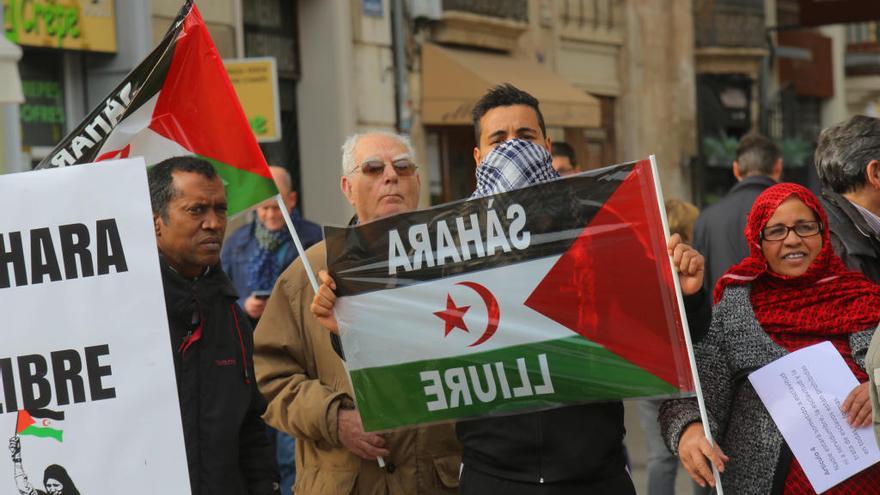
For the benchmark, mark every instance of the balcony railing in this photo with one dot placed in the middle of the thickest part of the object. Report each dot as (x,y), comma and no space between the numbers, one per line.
(729,23)
(590,14)
(863,49)
(517,10)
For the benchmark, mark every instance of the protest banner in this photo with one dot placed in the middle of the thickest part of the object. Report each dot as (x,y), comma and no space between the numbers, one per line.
(177,102)
(88,394)
(555,294)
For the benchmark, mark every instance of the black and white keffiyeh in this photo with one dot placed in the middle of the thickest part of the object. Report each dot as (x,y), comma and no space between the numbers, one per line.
(513,165)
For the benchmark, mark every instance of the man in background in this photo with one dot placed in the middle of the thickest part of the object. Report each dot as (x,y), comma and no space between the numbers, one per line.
(563,159)
(256,254)
(718,235)
(847,163)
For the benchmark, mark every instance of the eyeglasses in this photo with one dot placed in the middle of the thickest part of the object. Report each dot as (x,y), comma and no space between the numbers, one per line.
(375,168)
(780,232)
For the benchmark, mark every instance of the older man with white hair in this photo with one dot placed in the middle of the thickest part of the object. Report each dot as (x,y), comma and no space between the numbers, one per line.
(301,374)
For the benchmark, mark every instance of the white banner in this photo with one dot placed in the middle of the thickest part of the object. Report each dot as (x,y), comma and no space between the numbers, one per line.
(803,392)
(85,336)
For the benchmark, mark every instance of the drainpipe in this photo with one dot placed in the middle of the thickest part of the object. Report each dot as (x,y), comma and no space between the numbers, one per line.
(401,87)
(10,54)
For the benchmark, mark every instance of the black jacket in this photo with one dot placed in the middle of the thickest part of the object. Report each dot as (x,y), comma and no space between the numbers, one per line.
(851,237)
(582,443)
(718,234)
(227,448)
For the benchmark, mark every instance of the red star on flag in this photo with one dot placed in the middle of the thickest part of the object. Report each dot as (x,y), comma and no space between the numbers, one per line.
(453,316)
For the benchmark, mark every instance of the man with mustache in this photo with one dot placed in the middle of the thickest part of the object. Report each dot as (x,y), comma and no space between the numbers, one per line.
(227,448)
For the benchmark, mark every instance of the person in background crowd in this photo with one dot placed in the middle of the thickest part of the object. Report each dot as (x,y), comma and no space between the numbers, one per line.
(847,163)
(227,447)
(256,254)
(300,371)
(662,464)
(791,292)
(254,257)
(718,233)
(563,159)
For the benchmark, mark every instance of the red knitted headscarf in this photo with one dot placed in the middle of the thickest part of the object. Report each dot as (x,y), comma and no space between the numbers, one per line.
(827,302)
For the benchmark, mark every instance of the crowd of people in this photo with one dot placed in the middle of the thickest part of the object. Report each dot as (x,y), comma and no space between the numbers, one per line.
(768,270)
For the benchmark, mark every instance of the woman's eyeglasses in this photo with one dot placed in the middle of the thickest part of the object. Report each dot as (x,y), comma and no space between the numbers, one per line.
(374,168)
(780,232)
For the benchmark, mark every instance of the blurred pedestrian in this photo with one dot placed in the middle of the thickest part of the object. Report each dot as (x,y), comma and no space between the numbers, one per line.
(564,161)
(663,464)
(301,373)
(718,234)
(256,254)
(791,292)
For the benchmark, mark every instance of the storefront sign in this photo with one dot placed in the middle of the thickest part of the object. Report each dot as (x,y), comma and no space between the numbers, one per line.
(256,83)
(70,24)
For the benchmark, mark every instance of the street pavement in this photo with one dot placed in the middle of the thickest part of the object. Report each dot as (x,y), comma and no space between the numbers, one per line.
(637,446)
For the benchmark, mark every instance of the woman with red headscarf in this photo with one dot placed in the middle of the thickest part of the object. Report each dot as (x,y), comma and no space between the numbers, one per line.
(791,292)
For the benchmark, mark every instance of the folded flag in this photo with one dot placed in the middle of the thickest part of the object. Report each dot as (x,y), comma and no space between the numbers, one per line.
(25,425)
(177,102)
(550,295)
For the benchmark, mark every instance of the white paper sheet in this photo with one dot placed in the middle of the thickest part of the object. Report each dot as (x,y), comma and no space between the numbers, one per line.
(803,392)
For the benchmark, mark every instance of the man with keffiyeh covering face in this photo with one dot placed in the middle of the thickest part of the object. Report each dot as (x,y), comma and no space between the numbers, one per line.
(576,449)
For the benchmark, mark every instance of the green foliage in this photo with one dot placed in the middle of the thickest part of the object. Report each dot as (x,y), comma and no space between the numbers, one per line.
(796,152)
(720,151)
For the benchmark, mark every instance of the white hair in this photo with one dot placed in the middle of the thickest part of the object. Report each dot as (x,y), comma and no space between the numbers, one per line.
(348,164)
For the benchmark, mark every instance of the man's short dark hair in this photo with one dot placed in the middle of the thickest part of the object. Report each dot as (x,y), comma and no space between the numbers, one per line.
(160,177)
(844,151)
(505,95)
(563,149)
(756,155)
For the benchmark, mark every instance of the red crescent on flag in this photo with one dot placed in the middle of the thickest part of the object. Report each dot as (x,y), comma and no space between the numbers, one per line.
(492,308)
(45,422)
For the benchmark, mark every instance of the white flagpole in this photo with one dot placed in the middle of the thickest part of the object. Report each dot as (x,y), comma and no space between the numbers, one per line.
(302,256)
(296,242)
(684,325)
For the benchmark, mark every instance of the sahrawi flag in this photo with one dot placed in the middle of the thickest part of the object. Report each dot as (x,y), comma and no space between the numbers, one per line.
(555,294)
(26,425)
(177,102)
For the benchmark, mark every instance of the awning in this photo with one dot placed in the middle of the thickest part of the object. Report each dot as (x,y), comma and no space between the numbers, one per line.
(453,80)
(10,90)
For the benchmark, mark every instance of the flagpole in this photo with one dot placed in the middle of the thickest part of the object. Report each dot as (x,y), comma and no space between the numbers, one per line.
(305,261)
(296,242)
(704,416)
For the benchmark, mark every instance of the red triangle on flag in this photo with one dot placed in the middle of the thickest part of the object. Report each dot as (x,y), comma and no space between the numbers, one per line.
(197,106)
(622,291)
(24,420)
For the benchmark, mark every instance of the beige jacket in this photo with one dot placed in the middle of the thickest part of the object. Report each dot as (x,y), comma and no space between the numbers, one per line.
(304,380)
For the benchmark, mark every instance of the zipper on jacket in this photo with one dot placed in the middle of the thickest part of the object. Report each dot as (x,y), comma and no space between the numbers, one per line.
(540,448)
(244,364)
